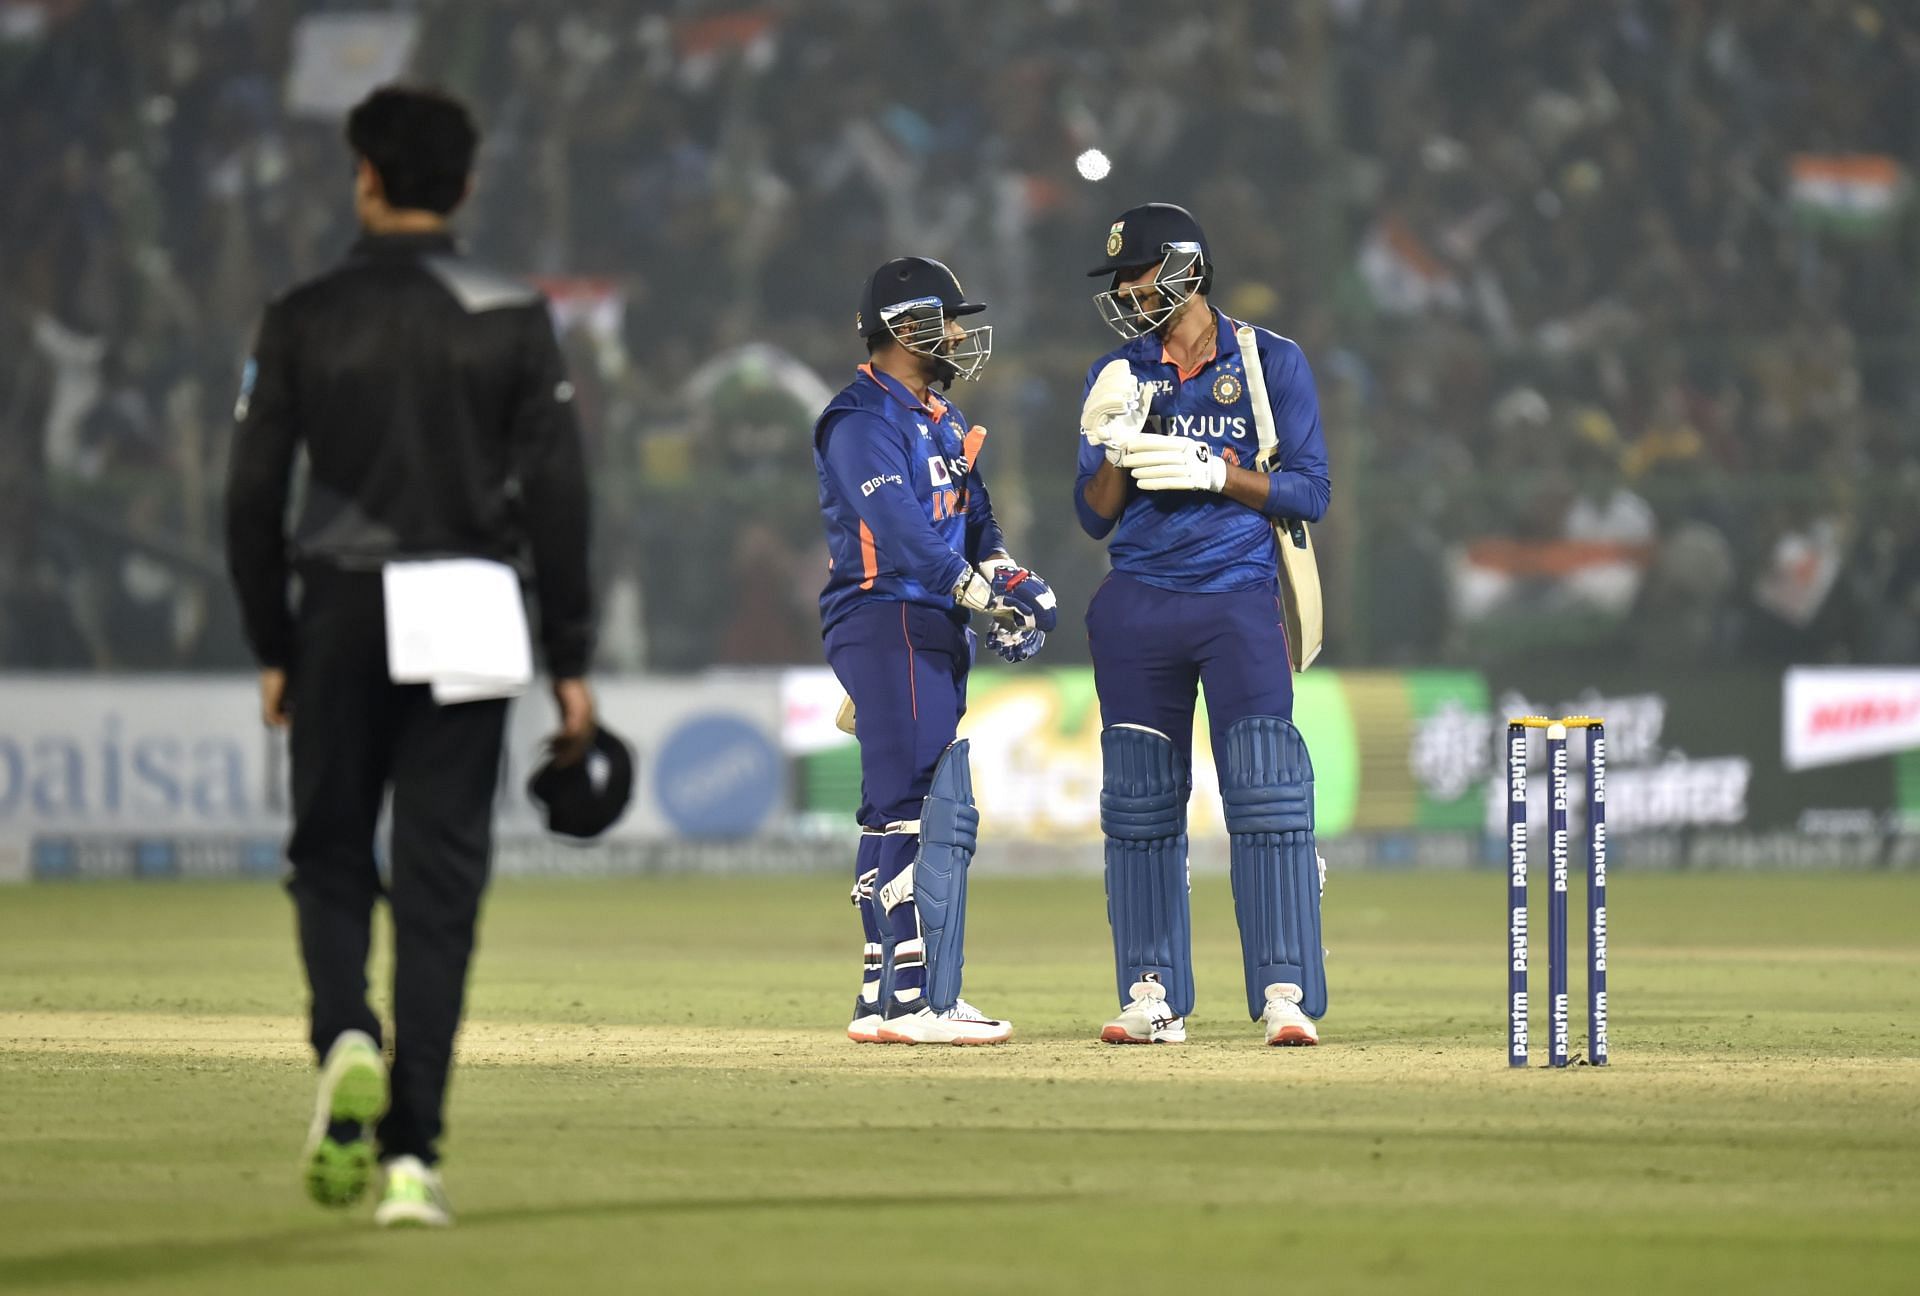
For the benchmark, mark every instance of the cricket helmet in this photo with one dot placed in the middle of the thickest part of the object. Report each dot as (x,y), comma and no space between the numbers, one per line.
(1152,235)
(588,797)
(910,299)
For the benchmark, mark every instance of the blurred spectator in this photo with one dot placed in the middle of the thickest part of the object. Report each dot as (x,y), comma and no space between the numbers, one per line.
(1630,275)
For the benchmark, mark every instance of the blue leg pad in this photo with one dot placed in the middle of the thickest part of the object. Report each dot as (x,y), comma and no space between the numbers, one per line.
(1143,811)
(893,853)
(949,828)
(1266,781)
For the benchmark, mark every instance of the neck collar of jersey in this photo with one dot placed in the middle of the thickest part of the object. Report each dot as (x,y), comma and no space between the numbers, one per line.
(370,244)
(934,406)
(1224,345)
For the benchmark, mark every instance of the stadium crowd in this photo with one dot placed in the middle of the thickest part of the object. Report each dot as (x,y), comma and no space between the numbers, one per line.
(1611,302)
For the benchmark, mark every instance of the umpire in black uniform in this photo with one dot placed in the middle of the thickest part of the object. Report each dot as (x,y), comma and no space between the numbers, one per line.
(433,409)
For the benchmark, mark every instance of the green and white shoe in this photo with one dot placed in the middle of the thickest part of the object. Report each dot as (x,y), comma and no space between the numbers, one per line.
(338,1161)
(415,1197)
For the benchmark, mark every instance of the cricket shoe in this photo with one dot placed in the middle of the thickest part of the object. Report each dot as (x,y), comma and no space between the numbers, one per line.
(415,1197)
(1147,1019)
(865,1026)
(338,1161)
(918,1023)
(1286,1024)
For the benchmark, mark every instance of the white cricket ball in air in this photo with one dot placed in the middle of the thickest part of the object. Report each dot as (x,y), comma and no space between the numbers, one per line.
(1093,165)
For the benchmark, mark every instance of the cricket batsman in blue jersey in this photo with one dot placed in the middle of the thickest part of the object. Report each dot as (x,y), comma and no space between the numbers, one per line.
(913,550)
(1166,476)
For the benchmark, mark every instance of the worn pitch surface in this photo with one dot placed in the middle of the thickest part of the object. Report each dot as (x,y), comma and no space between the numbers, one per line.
(655,1095)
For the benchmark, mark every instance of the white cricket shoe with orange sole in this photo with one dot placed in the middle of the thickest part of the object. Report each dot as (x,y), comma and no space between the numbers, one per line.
(1285,1023)
(1146,1019)
(865,1026)
(918,1023)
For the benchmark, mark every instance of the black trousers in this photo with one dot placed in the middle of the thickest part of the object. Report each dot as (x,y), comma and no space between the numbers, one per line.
(356,735)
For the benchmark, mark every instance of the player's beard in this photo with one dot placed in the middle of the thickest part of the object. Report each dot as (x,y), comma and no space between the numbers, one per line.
(938,369)
(1164,329)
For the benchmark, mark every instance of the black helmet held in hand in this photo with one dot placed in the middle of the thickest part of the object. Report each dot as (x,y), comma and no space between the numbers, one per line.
(588,797)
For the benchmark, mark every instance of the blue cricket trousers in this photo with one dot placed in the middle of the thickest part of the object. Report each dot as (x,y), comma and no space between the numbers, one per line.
(1153,647)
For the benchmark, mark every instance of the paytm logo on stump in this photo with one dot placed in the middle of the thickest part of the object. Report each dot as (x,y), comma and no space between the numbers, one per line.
(717,776)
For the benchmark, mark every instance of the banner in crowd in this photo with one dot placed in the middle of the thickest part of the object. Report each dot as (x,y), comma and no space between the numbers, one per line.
(157,758)
(1698,775)
(1857,194)
(1837,714)
(175,776)
(1405,755)
(1035,737)
(166,776)
(339,58)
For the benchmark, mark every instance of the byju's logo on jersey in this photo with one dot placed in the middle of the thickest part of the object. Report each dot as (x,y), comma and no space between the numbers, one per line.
(937,466)
(1227,389)
(1201,427)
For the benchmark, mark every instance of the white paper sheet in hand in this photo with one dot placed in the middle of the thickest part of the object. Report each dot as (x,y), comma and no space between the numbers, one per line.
(459,625)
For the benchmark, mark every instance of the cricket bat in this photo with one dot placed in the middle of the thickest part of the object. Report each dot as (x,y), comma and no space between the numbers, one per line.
(1300,605)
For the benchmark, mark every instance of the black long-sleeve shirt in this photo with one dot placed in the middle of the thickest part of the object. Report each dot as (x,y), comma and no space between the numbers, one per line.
(433,405)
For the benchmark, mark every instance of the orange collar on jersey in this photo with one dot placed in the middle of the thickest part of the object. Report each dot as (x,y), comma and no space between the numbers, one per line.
(1222,347)
(893,387)
(1166,357)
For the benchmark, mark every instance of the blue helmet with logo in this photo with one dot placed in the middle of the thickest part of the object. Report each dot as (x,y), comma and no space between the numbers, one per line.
(1157,236)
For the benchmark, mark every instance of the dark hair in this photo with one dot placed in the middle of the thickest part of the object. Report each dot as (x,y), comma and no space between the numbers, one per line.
(420,142)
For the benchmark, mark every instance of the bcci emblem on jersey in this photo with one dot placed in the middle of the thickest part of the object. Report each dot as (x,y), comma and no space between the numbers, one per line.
(1113,238)
(1227,389)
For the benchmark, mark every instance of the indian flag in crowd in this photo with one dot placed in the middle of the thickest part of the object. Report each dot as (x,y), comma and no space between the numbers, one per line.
(1404,275)
(1847,193)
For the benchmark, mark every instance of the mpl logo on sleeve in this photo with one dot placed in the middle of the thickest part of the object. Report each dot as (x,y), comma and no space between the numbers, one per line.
(1832,715)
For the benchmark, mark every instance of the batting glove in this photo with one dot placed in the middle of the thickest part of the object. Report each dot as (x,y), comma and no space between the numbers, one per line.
(1010,594)
(1115,409)
(1015,645)
(1160,463)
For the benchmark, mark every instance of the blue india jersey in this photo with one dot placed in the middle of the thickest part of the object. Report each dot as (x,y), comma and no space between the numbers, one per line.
(905,508)
(1196,540)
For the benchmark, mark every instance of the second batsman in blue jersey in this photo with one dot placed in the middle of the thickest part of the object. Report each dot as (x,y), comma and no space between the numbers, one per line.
(1168,477)
(913,550)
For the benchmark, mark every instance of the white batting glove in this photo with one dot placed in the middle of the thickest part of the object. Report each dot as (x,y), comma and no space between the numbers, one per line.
(1115,409)
(974,591)
(1160,463)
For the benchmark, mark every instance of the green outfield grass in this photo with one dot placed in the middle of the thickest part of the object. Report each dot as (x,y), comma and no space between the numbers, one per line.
(655,1097)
